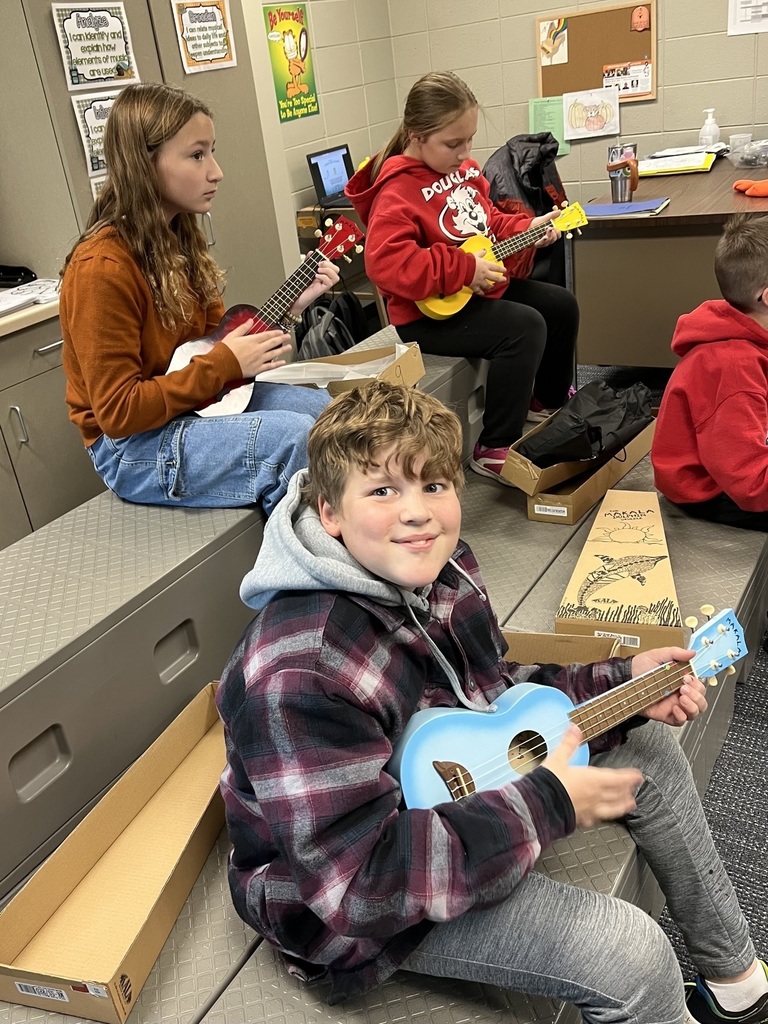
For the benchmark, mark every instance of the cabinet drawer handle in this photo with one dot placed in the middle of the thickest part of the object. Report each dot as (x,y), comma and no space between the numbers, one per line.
(45,349)
(24,439)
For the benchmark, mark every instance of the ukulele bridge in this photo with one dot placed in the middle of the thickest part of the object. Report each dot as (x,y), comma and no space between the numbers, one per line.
(458,780)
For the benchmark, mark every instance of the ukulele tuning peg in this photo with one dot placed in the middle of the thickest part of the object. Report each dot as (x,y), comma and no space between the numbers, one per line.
(569,234)
(318,233)
(302,257)
(691,622)
(328,223)
(708,610)
(340,248)
(712,681)
(358,249)
(722,629)
(563,205)
(731,670)
(347,259)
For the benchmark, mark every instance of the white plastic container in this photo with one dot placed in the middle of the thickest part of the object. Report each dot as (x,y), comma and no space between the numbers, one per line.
(710,132)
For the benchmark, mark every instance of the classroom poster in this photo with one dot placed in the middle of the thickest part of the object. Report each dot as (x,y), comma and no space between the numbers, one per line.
(291,58)
(91,110)
(204,31)
(95,45)
(545,114)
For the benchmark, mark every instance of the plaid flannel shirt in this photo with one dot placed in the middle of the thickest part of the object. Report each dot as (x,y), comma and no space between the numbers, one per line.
(326,863)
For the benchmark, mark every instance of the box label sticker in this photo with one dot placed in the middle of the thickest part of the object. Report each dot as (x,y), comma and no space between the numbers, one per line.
(91,989)
(626,640)
(42,992)
(550,510)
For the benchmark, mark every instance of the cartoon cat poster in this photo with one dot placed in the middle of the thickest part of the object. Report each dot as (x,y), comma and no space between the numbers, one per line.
(291,58)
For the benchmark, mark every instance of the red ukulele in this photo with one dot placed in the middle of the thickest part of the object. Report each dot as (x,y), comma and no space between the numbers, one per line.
(336,241)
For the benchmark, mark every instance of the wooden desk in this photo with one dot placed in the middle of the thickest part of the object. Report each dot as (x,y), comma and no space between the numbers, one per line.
(634,277)
(308,220)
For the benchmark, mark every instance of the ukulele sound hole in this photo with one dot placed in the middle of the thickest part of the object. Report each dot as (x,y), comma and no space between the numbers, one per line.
(526,752)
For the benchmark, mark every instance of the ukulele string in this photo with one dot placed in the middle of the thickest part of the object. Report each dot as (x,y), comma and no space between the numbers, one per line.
(642,699)
(279,303)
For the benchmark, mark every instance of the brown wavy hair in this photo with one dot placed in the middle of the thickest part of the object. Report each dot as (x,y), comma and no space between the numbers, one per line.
(358,425)
(173,257)
(434,102)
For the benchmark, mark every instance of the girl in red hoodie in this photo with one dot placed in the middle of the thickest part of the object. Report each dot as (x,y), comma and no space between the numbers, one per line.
(421,197)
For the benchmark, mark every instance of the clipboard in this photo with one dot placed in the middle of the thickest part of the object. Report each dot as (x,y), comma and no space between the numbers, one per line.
(687,163)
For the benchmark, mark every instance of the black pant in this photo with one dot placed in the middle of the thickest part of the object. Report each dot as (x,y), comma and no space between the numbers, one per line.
(529,336)
(723,509)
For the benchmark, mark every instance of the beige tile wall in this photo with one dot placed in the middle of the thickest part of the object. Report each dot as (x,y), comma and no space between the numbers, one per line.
(369,52)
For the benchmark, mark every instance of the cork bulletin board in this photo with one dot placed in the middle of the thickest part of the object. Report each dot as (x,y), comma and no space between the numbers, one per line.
(610,45)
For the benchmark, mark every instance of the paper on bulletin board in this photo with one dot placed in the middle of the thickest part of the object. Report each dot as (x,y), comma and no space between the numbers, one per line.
(553,41)
(95,45)
(291,57)
(590,113)
(204,32)
(91,111)
(631,79)
(545,114)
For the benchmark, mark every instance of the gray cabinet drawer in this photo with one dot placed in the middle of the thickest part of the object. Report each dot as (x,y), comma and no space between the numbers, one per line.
(31,351)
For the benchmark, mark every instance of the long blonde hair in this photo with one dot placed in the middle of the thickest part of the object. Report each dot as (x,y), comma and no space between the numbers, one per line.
(173,257)
(436,100)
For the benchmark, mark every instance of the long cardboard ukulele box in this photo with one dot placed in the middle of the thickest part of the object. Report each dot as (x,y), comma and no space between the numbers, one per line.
(622,586)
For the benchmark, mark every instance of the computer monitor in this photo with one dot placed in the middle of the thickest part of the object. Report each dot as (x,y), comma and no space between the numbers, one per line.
(331,169)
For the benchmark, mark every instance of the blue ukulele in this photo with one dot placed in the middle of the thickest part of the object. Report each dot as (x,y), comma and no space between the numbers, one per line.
(447,753)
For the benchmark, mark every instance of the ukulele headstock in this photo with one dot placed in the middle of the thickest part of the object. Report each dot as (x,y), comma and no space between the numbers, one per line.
(570,218)
(718,644)
(338,237)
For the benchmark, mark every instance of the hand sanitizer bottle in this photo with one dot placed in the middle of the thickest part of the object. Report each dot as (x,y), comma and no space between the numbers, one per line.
(710,133)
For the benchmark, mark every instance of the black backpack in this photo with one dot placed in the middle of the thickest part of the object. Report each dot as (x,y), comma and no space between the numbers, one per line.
(330,326)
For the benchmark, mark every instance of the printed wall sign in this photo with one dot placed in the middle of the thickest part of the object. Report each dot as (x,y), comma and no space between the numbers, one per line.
(95,45)
(204,30)
(291,58)
(91,110)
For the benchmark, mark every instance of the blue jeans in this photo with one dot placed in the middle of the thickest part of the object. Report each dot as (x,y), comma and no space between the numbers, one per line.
(216,461)
(607,956)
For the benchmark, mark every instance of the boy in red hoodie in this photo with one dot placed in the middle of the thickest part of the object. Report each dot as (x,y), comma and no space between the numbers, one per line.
(709,454)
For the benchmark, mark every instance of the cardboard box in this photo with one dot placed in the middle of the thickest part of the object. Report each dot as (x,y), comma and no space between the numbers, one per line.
(558,648)
(529,478)
(406,369)
(566,503)
(622,586)
(81,937)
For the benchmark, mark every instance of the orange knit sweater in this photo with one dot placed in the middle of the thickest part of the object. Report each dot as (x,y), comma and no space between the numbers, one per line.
(116,350)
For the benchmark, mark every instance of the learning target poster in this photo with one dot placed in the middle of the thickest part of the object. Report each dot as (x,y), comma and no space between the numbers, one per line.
(95,45)
(204,31)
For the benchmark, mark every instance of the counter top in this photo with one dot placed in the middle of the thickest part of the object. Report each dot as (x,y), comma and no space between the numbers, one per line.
(12,322)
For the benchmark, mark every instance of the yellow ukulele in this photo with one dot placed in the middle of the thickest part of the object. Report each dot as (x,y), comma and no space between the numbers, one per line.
(440,307)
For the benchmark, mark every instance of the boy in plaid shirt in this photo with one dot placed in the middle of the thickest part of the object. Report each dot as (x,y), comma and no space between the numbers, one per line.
(371,608)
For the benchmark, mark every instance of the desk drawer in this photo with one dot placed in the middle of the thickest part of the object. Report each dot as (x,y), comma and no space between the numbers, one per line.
(31,351)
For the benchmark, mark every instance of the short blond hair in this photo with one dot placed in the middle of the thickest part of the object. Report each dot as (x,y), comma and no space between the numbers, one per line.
(358,425)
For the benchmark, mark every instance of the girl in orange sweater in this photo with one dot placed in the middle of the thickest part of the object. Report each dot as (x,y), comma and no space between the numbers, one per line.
(140,282)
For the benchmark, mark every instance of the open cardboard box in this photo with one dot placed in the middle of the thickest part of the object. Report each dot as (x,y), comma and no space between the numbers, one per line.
(82,935)
(530,478)
(558,648)
(406,369)
(567,502)
(622,585)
